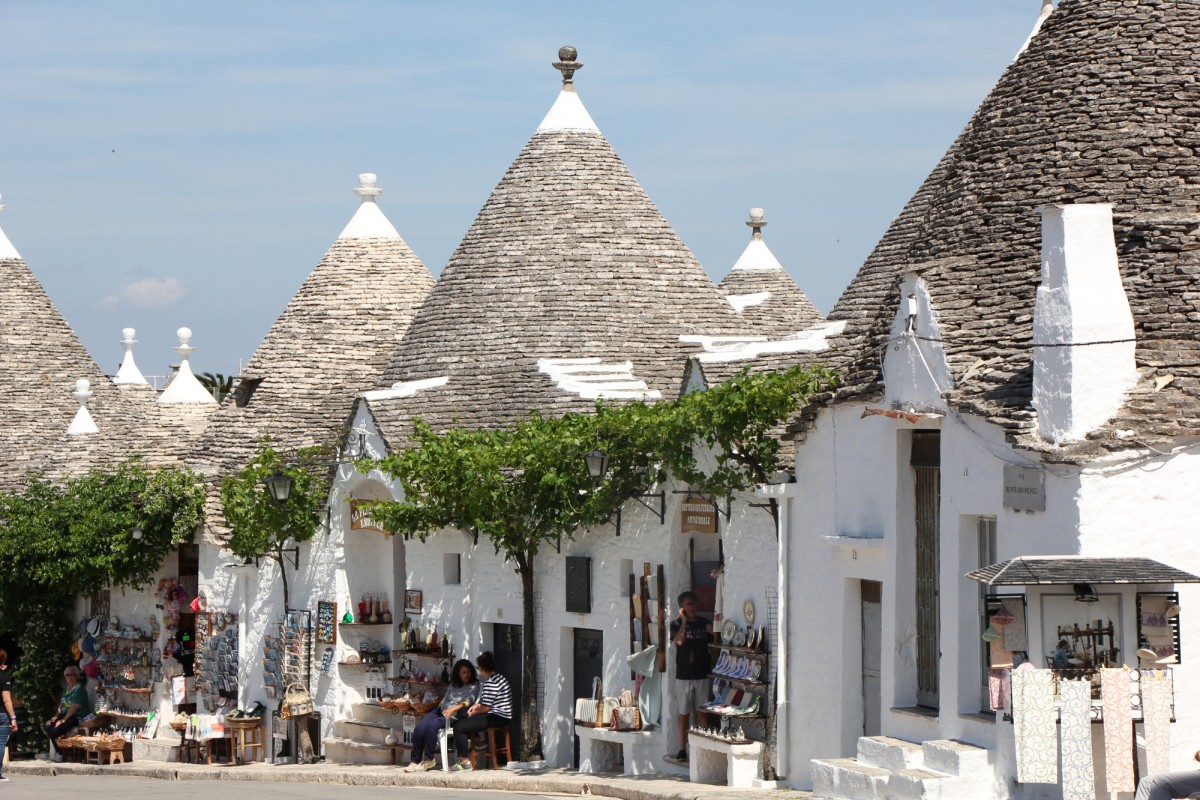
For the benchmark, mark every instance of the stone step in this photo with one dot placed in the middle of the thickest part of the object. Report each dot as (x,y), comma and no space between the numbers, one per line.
(888,752)
(370,712)
(846,779)
(957,758)
(340,750)
(917,784)
(365,732)
(157,749)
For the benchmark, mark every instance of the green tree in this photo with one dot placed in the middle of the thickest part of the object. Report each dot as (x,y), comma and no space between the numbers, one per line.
(217,383)
(528,486)
(62,540)
(261,526)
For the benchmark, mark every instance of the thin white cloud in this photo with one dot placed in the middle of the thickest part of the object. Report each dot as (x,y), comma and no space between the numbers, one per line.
(147,293)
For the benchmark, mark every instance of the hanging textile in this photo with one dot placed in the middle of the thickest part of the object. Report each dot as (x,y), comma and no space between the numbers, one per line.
(1075,728)
(998,657)
(1034,725)
(645,665)
(1156,711)
(1014,631)
(1118,729)
(998,689)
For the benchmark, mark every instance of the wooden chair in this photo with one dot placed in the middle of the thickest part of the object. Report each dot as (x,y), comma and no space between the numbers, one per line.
(492,749)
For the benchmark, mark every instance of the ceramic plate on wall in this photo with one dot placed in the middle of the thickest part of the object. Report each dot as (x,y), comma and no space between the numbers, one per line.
(748,611)
(728,631)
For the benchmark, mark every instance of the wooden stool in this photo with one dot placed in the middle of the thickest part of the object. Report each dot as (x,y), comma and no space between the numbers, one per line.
(247,740)
(493,750)
(189,751)
(115,756)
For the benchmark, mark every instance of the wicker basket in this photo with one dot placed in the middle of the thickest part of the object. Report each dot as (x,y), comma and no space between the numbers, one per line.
(105,744)
(424,708)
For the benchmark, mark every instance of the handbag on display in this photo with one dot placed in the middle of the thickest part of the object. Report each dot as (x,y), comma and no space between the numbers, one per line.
(626,718)
(297,700)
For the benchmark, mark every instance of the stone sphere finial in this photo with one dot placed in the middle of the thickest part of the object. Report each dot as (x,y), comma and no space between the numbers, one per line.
(128,334)
(756,222)
(567,64)
(367,189)
(83,391)
(185,335)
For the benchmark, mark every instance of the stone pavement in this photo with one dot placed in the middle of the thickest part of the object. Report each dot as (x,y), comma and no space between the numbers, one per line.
(550,781)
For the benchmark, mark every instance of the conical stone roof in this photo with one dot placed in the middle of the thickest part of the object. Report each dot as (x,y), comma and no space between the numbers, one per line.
(333,340)
(766,299)
(1100,108)
(568,259)
(41,358)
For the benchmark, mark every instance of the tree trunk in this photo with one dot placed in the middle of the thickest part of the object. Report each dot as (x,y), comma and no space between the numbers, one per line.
(278,557)
(531,721)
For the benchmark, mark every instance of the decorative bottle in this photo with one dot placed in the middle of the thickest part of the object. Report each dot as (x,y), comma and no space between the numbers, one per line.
(374,603)
(386,615)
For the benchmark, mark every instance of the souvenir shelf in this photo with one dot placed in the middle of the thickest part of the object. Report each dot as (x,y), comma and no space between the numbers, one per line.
(287,654)
(128,665)
(647,618)
(216,656)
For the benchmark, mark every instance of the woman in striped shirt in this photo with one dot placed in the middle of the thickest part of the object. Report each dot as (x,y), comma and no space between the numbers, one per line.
(493,710)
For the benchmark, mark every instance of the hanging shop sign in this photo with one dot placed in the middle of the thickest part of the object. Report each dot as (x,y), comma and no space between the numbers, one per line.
(697,514)
(1024,489)
(360,518)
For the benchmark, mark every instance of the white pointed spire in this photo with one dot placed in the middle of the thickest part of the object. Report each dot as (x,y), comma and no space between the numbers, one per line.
(1043,15)
(368,222)
(83,422)
(129,374)
(568,113)
(184,387)
(757,255)
(6,247)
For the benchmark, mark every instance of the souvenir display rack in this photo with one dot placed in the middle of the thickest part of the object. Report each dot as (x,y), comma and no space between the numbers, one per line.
(647,615)
(129,665)
(216,667)
(326,622)
(287,654)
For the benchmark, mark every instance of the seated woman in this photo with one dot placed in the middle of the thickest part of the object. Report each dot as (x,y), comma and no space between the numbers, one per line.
(74,706)
(493,710)
(462,694)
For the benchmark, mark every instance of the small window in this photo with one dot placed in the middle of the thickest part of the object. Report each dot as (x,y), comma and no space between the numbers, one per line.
(579,584)
(452,568)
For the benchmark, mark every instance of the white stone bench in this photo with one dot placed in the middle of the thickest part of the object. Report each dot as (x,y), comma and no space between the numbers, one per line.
(714,761)
(601,749)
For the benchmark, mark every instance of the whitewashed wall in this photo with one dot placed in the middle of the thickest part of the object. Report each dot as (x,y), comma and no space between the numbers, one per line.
(342,564)
(852,520)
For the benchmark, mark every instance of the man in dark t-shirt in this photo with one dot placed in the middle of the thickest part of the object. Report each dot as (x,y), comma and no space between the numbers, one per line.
(691,635)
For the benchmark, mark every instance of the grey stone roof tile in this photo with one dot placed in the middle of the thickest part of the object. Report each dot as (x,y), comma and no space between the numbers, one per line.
(1101,108)
(568,258)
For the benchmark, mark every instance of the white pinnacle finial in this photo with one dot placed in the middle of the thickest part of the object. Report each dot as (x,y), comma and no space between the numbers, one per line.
(2,206)
(83,422)
(129,374)
(184,387)
(6,248)
(757,255)
(368,222)
(1043,15)
(366,187)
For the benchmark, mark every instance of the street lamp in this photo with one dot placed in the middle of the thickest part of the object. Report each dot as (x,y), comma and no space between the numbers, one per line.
(280,486)
(136,533)
(597,465)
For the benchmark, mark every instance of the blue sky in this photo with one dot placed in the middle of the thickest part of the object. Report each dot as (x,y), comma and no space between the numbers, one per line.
(169,164)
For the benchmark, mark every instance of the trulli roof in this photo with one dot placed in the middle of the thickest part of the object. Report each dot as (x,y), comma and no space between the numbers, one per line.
(568,284)
(333,339)
(1100,108)
(41,359)
(766,299)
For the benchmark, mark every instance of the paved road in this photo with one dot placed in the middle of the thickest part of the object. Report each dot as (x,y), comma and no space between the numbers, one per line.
(114,787)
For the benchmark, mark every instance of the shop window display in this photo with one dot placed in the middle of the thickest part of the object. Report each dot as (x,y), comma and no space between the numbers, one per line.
(1090,630)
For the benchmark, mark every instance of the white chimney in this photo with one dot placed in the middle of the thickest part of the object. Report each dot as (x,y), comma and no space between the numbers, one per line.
(1083,362)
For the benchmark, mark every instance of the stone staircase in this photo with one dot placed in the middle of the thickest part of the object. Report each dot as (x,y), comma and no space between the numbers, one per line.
(361,740)
(893,769)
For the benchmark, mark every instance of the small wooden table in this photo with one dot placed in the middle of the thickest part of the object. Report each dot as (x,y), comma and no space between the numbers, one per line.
(247,735)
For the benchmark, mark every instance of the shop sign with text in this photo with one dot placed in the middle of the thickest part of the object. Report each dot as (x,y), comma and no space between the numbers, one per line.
(698,514)
(360,518)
